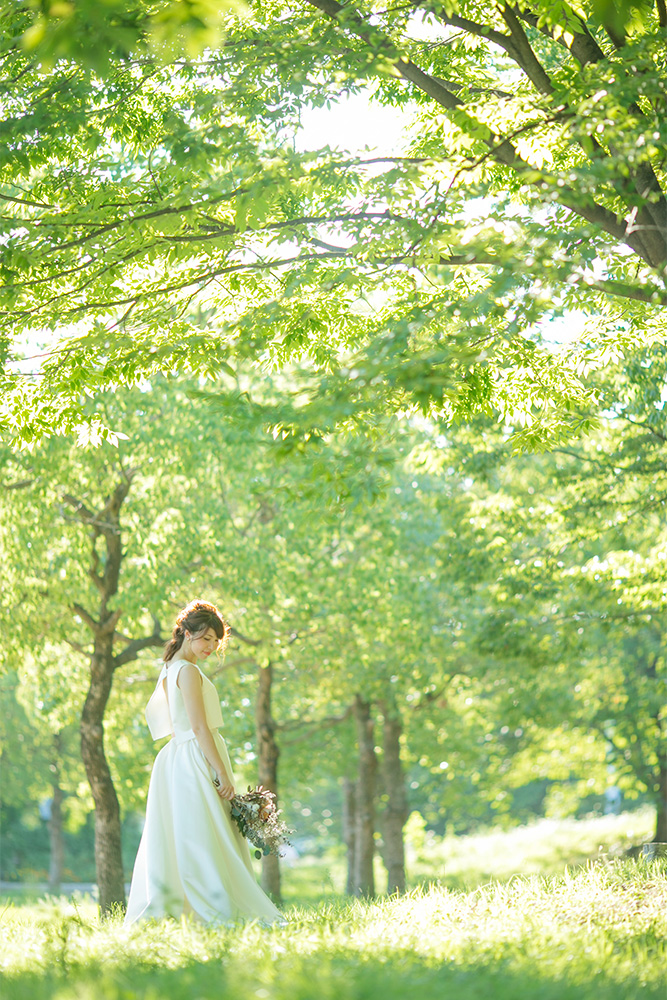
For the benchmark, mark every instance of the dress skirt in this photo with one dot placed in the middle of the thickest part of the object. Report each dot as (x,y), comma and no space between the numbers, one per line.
(192,858)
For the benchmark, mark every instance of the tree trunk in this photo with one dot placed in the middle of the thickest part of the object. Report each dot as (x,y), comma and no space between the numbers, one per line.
(105,575)
(108,858)
(56,845)
(396,812)
(661,812)
(268,753)
(349,831)
(364,884)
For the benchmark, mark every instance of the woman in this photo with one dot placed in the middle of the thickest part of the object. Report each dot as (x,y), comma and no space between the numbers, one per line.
(192,857)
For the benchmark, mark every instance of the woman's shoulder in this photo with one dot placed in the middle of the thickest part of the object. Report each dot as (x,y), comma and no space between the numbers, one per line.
(177,664)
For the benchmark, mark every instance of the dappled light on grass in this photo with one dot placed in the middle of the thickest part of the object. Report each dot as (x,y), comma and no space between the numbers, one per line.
(597,933)
(545,846)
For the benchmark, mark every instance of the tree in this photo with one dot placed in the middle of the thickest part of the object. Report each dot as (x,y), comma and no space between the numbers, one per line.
(88,552)
(46,696)
(388,651)
(91,625)
(36,763)
(573,594)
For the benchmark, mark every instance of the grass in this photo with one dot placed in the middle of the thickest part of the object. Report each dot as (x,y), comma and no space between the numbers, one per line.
(488,927)
(541,848)
(596,933)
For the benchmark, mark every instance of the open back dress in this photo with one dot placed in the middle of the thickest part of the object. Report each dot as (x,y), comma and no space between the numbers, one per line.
(192,858)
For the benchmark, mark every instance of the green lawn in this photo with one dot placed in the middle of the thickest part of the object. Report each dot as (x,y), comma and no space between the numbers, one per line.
(541,848)
(544,847)
(487,929)
(596,933)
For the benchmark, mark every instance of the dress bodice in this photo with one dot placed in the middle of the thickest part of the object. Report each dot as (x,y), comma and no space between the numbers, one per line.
(166,714)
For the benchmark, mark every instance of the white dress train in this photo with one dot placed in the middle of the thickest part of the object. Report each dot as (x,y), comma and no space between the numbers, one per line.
(192,857)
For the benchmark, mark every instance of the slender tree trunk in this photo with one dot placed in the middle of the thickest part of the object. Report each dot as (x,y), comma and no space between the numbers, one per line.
(268,753)
(104,574)
(56,845)
(661,816)
(396,813)
(364,884)
(108,858)
(350,831)
(660,836)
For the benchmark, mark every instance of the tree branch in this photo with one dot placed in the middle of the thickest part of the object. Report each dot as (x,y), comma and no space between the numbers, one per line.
(291,726)
(516,44)
(522,52)
(582,47)
(77,647)
(92,570)
(503,151)
(429,698)
(646,427)
(650,217)
(474,28)
(608,466)
(85,514)
(626,291)
(238,661)
(108,626)
(26,201)
(234,632)
(84,615)
(21,484)
(135,646)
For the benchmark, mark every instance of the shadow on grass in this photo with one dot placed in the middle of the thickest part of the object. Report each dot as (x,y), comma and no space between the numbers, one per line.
(334,976)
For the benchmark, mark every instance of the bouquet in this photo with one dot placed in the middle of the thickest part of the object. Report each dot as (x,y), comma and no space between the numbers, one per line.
(256,816)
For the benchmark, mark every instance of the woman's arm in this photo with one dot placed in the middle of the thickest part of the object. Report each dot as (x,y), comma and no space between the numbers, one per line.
(190,682)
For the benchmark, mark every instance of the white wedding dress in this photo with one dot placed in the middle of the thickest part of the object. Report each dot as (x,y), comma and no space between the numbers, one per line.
(192,859)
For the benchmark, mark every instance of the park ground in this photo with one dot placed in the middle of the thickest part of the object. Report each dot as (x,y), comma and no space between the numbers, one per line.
(596,929)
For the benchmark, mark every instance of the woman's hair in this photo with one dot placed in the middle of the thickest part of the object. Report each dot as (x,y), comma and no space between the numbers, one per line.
(197,617)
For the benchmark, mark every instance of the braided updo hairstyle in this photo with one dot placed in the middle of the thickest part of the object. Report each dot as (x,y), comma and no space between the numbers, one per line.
(197,617)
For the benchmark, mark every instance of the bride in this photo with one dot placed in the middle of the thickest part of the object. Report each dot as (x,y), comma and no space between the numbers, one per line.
(192,859)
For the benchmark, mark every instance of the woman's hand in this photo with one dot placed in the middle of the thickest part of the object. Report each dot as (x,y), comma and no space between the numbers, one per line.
(223,786)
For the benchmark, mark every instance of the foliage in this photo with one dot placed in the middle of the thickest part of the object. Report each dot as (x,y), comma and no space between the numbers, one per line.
(209,510)
(26,750)
(95,34)
(437,597)
(561,609)
(160,218)
(519,940)
(457,862)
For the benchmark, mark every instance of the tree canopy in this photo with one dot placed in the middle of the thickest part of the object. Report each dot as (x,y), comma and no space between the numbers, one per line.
(160,217)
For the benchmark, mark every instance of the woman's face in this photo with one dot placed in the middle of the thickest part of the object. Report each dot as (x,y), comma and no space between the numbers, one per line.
(203,645)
